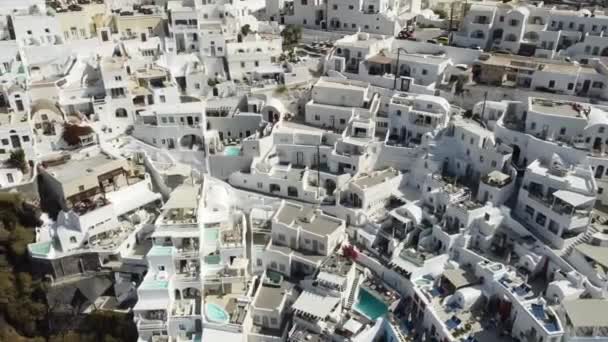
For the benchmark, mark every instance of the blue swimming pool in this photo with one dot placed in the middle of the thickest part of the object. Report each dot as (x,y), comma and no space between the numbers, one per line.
(369,305)
(232,151)
(216,313)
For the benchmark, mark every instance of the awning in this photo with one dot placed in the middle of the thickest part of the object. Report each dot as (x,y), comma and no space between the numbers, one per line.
(587,312)
(144,304)
(132,197)
(330,278)
(460,278)
(210,334)
(573,198)
(498,176)
(352,326)
(380,59)
(597,253)
(315,305)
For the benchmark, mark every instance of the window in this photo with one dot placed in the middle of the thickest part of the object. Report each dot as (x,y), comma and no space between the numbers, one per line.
(514,22)
(570,86)
(472,141)
(533,125)
(242,64)
(162,98)
(529,210)
(81,188)
(163,119)
(29,32)
(273,321)
(353,25)
(304,2)
(351,7)
(257,318)
(335,7)
(398,112)
(599,130)
(551,84)
(501,18)
(599,190)
(541,219)
(304,22)
(72,239)
(256,63)
(171,119)
(161,267)
(481,159)
(462,136)
(317,117)
(281,237)
(9,178)
(25,138)
(342,121)
(598,85)
(197,86)
(424,72)
(493,163)
(562,131)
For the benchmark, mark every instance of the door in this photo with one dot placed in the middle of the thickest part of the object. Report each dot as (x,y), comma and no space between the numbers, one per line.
(190,121)
(143,37)
(104,36)
(15,141)
(332,121)
(315,245)
(586,86)
(299,158)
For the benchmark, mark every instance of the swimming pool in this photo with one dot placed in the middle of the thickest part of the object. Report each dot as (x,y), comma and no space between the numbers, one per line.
(232,151)
(369,305)
(211,236)
(216,313)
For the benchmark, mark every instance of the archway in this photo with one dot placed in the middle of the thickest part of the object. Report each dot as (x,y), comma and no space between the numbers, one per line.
(404,70)
(191,142)
(121,113)
(515,155)
(191,293)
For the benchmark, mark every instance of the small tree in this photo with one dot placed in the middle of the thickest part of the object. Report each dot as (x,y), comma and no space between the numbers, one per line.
(291,36)
(245,30)
(72,133)
(17,159)
(440,12)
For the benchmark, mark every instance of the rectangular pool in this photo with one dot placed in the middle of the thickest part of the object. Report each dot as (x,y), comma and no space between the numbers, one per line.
(369,305)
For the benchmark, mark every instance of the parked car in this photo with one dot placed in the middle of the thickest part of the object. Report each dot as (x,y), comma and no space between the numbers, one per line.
(443,40)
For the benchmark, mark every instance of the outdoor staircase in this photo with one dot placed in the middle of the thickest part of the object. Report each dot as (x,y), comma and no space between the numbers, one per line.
(351,296)
(582,238)
(400,336)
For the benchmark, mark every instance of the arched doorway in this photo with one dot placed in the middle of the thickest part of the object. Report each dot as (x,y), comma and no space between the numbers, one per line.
(121,113)
(191,142)
(515,155)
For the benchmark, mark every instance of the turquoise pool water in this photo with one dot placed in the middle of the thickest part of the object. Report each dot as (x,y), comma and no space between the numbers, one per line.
(161,250)
(211,236)
(369,305)
(155,284)
(232,151)
(216,313)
